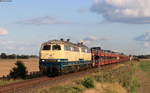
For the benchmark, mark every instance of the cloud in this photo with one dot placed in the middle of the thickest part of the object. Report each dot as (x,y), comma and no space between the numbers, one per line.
(124,11)
(147,44)
(6,42)
(144,39)
(21,47)
(44,21)
(3,31)
(92,39)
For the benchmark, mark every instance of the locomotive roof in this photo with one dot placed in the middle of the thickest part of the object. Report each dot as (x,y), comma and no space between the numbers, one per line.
(64,42)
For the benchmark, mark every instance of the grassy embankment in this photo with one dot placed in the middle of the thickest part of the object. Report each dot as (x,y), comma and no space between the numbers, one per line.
(145,66)
(119,80)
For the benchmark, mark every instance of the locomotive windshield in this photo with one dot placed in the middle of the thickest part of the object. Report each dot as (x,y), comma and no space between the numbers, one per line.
(56,47)
(47,47)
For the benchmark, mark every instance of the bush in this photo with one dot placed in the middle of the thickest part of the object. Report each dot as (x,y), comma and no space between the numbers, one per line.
(13,56)
(19,71)
(88,82)
(23,56)
(3,55)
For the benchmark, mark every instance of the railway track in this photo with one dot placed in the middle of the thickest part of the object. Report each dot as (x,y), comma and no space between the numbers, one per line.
(31,86)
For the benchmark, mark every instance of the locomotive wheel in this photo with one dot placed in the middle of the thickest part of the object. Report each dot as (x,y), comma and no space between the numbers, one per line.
(77,68)
(55,72)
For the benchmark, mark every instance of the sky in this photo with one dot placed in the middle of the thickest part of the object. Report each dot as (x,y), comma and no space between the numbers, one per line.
(118,25)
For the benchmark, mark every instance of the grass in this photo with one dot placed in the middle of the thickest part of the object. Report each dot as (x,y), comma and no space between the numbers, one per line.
(109,91)
(145,66)
(124,76)
(64,89)
(134,85)
(4,82)
(88,82)
(121,75)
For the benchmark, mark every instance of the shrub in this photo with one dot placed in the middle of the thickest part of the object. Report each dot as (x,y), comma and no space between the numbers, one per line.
(88,82)
(13,56)
(3,55)
(19,71)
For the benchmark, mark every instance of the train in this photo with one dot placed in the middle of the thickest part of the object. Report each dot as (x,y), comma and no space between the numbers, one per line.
(57,57)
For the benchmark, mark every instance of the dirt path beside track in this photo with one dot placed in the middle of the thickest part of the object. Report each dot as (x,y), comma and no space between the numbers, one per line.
(144,82)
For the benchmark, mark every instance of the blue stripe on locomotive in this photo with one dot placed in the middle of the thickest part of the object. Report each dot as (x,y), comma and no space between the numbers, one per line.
(64,63)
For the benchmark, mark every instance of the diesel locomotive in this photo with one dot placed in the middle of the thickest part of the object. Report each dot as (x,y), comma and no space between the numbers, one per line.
(57,57)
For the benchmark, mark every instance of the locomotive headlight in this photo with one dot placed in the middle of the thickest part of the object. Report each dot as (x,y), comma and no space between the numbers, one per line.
(43,60)
(58,60)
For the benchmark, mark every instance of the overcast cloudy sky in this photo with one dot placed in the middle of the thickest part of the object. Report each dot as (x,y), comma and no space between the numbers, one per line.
(119,25)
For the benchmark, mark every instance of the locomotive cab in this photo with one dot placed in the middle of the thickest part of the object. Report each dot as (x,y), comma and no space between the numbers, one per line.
(51,51)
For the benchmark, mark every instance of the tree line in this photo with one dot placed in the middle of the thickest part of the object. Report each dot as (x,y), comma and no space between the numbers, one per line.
(15,56)
(143,56)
